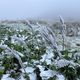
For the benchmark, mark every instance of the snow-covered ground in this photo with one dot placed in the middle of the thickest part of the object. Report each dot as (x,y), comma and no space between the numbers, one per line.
(36,46)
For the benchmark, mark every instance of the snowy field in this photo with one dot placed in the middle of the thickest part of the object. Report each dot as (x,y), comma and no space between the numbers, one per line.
(39,51)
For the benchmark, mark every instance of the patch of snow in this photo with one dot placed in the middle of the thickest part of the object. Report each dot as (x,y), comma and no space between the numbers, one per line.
(60,47)
(47,74)
(48,61)
(60,77)
(41,68)
(29,69)
(6,77)
(25,63)
(47,56)
(21,78)
(32,76)
(62,63)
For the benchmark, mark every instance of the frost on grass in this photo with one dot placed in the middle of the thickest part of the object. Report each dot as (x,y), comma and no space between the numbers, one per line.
(49,37)
(62,63)
(13,54)
(20,40)
(35,55)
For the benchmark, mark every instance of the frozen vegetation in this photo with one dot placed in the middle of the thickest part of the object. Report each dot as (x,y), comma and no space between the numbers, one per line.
(35,50)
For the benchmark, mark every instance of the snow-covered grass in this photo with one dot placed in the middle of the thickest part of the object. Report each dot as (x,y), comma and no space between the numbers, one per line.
(35,52)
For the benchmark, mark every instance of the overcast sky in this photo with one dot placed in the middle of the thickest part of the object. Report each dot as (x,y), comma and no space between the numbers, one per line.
(42,9)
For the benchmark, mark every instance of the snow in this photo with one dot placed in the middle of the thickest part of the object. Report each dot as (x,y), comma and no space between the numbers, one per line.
(6,77)
(29,69)
(49,36)
(44,74)
(60,77)
(47,56)
(32,76)
(21,40)
(31,73)
(61,63)
(20,54)
(47,74)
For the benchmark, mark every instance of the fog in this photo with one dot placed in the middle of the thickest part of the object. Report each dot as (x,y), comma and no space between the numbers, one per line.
(39,9)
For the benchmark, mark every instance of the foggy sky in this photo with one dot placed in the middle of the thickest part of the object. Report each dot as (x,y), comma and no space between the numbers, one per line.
(39,9)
